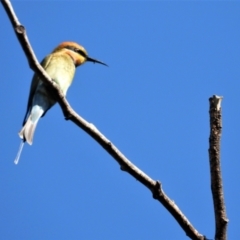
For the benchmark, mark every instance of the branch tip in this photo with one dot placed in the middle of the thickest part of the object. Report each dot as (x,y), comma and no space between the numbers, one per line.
(216,101)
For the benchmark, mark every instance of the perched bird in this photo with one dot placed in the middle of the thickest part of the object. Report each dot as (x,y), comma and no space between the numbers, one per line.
(60,65)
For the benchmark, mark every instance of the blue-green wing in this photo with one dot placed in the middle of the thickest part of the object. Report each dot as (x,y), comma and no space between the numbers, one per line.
(34,85)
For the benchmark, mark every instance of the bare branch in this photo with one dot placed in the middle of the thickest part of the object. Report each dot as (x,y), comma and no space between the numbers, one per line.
(215,168)
(70,114)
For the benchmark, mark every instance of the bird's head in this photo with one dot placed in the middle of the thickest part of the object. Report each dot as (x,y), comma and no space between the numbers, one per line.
(76,52)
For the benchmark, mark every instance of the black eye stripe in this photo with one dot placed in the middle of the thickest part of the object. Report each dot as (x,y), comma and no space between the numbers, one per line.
(79,51)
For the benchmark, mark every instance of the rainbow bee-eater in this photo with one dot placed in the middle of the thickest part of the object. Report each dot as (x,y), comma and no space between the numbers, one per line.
(60,65)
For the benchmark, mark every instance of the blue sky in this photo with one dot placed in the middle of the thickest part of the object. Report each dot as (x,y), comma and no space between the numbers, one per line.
(165,60)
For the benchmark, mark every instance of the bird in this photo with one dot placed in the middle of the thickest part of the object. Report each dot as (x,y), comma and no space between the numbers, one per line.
(60,65)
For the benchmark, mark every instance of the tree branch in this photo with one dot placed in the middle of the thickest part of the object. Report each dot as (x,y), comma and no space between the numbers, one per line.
(215,168)
(125,165)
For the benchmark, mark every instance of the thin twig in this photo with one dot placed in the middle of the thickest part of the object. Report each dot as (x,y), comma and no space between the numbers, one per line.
(215,168)
(70,114)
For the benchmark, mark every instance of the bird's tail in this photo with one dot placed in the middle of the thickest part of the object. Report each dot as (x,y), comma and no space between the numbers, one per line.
(27,131)
(29,127)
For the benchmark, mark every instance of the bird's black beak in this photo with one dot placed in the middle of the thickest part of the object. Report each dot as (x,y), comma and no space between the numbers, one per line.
(95,61)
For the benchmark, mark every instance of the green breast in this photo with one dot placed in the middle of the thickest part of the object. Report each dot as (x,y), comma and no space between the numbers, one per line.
(61,69)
